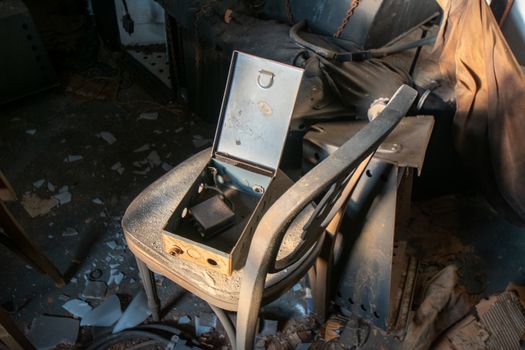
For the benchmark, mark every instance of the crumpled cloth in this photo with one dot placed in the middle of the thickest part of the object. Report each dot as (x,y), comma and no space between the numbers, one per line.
(445,303)
(489,84)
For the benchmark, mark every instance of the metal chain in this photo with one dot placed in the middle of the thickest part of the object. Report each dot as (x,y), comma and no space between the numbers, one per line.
(288,9)
(349,14)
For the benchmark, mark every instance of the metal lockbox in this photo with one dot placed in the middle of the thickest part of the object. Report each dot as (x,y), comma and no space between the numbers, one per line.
(215,222)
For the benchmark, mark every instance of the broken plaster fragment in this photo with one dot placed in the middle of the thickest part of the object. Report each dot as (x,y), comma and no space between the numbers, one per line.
(105,315)
(63,197)
(48,331)
(112,245)
(184,320)
(135,314)
(31,131)
(118,168)
(39,183)
(148,116)
(69,232)
(142,148)
(77,307)
(154,159)
(72,158)
(108,137)
(63,297)
(97,201)
(115,276)
(166,166)
(50,186)
(142,172)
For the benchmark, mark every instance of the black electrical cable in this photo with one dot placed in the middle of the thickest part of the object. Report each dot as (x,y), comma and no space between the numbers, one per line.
(160,327)
(106,341)
(358,55)
(147,344)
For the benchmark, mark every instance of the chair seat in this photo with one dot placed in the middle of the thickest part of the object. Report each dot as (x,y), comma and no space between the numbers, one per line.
(143,225)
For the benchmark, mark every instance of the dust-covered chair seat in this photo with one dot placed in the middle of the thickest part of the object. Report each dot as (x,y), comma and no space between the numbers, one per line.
(147,215)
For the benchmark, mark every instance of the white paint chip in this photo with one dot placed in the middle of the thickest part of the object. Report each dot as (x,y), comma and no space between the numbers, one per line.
(154,159)
(142,148)
(108,137)
(39,183)
(118,168)
(97,201)
(63,198)
(73,158)
(148,116)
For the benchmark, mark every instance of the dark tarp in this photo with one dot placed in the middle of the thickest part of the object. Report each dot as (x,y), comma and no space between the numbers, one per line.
(489,125)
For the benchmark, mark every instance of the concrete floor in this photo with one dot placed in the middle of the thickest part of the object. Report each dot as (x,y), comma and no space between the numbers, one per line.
(68,125)
(457,228)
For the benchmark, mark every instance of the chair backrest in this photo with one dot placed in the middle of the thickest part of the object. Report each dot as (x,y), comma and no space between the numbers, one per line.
(330,177)
(326,181)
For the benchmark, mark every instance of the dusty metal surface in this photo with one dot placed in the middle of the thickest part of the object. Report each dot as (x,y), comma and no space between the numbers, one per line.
(404,147)
(257,107)
(155,62)
(365,282)
(505,322)
(24,65)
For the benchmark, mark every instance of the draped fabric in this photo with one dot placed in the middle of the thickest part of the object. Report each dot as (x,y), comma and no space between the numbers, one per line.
(489,125)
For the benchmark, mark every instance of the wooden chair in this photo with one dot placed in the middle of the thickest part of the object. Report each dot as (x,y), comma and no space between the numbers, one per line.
(285,244)
(16,239)
(13,236)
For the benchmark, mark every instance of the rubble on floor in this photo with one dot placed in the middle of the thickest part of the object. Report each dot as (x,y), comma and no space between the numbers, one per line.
(36,206)
(47,332)
(78,308)
(136,313)
(104,315)
(444,304)
(295,333)
(496,323)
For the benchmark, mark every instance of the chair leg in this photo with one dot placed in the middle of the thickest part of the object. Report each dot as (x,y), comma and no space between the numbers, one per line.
(227,324)
(10,335)
(19,242)
(148,280)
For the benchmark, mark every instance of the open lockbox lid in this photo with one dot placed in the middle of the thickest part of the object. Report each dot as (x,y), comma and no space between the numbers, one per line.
(256,110)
